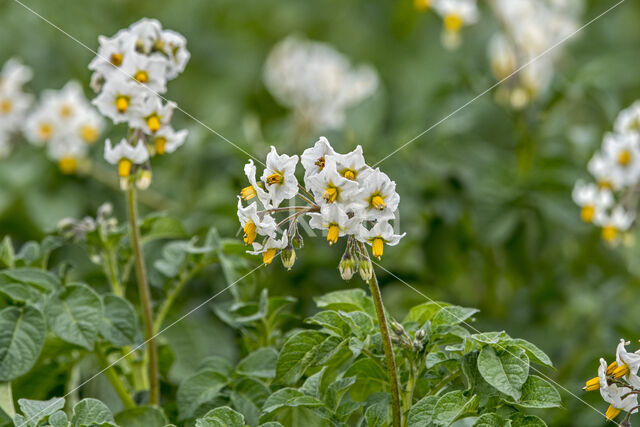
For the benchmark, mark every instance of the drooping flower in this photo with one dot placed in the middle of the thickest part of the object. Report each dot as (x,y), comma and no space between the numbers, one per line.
(335,221)
(254,223)
(379,235)
(125,156)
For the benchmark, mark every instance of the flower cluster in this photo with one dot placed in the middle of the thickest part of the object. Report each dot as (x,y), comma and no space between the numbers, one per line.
(530,28)
(316,82)
(611,202)
(618,382)
(66,122)
(14,103)
(131,70)
(455,15)
(344,198)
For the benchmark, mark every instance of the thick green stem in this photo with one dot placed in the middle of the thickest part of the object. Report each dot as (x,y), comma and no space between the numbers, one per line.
(114,379)
(145,297)
(388,351)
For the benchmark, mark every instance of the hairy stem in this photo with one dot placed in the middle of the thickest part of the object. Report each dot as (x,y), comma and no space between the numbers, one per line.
(114,379)
(145,297)
(388,351)
(111,268)
(411,386)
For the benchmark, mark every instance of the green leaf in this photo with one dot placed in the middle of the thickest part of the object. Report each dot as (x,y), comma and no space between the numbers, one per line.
(453,406)
(534,353)
(221,417)
(142,416)
(6,401)
(248,396)
(377,414)
(119,324)
(289,397)
(421,413)
(489,420)
(37,410)
(452,315)
(332,322)
(58,419)
(435,358)
(489,337)
(7,254)
(161,226)
(336,390)
(297,354)
(346,300)
(19,292)
(424,312)
(40,279)
(217,364)
(75,314)
(89,412)
(538,393)
(370,378)
(522,420)
(506,371)
(261,363)
(22,333)
(198,389)
(311,385)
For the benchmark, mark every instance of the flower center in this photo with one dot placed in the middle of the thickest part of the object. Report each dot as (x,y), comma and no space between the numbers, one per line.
(609,233)
(275,178)
(332,235)
(268,255)
(320,162)
(248,193)
(141,76)
(160,143)
(122,103)
(378,203)
(453,22)
(66,111)
(377,247)
(331,194)
(124,167)
(587,213)
(249,232)
(89,133)
(153,122)
(621,371)
(45,130)
(624,158)
(68,164)
(604,183)
(5,106)
(422,5)
(116,59)
(349,174)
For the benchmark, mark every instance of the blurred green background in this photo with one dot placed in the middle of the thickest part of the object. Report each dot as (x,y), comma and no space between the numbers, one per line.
(486,196)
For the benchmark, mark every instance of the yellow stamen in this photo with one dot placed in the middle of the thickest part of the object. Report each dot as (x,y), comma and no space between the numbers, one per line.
(89,133)
(587,213)
(274,178)
(45,131)
(377,247)
(153,122)
(378,202)
(332,235)
(248,193)
(609,233)
(592,384)
(453,22)
(250,232)
(603,183)
(349,174)
(612,412)
(331,194)
(122,103)
(68,165)
(5,106)
(621,371)
(624,158)
(612,367)
(124,167)
(158,45)
(268,255)
(422,5)
(320,163)
(66,111)
(116,59)
(141,76)
(160,143)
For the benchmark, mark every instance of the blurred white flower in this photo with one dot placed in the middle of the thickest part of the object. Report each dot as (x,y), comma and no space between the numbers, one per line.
(593,200)
(455,14)
(153,115)
(167,140)
(619,220)
(121,99)
(14,102)
(316,82)
(147,70)
(125,156)
(623,153)
(628,120)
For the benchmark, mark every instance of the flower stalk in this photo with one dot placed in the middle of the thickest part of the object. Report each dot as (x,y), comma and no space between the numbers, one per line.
(114,379)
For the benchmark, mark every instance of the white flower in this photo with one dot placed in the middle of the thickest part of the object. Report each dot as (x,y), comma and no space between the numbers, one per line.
(628,364)
(112,53)
(335,220)
(67,152)
(125,155)
(89,125)
(255,223)
(147,70)
(313,159)
(593,200)
(121,99)
(502,56)
(377,197)
(40,126)
(279,177)
(615,395)
(600,166)
(14,75)
(175,47)
(153,115)
(269,248)
(628,120)
(167,140)
(255,188)
(380,234)
(351,165)
(14,103)
(618,221)
(623,151)
(329,186)
(145,32)
(456,13)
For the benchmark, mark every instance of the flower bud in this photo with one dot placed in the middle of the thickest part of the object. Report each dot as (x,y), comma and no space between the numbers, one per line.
(288,256)
(420,334)
(297,240)
(144,179)
(365,269)
(348,266)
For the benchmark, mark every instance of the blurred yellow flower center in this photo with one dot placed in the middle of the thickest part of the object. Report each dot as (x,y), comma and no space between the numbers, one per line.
(66,111)
(349,174)
(68,165)
(89,133)
(377,247)
(603,183)
(587,213)
(612,412)
(153,122)
(609,233)
(141,76)
(320,163)
(122,103)
(274,178)
(159,44)
(453,22)
(250,232)
(422,5)
(248,193)
(124,167)
(592,384)
(624,158)
(331,194)
(5,106)
(621,371)
(378,202)
(332,235)
(635,124)
(161,144)
(45,130)
(116,59)
(268,255)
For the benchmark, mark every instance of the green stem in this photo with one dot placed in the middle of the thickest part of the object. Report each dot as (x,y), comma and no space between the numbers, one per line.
(170,299)
(111,267)
(114,379)
(411,386)
(145,297)
(388,351)
(446,380)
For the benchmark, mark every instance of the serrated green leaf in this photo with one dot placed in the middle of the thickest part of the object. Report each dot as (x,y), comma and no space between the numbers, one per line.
(89,412)
(119,324)
(534,353)
(37,410)
(421,413)
(489,420)
(199,388)
(142,416)
(75,315)
(453,406)
(261,363)
(507,371)
(331,321)
(221,417)
(22,333)
(539,393)
(297,354)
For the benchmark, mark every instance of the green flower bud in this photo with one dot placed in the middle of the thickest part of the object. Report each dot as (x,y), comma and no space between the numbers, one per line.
(365,269)
(348,266)
(288,256)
